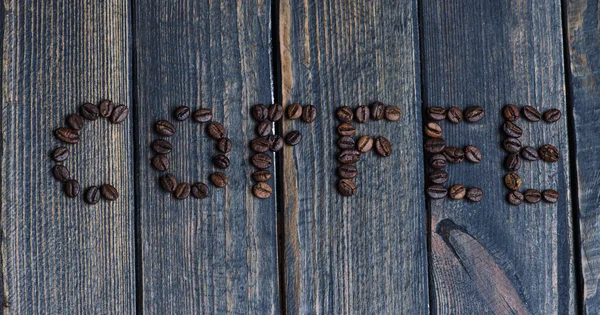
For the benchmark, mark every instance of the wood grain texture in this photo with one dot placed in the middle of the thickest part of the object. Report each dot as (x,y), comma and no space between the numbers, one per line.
(491,53)
(584,74)
(217,255)
(365,254)
(60,256)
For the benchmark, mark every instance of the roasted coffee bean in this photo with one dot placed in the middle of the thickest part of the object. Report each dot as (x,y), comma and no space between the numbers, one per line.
(433,130)
(263,128)
(531,114)
(345,114)
(260,112)
(275,143)
(164,128)
(377,110)
(161,163)
(454,115)
(436,113)
(262,176)
(60,154)
(513,181)
(530,154)
(437,191)
(182,191)
(262,190)
(221,161)
(437,161)
(364,144)
(552,115)
(532,196)
(347,171)
(216,131)
(119,114)
(92,195)
(61,173)
(392,113)
(105,108)
(202,115)
(349,156)
(457,192)
(362,114)
(383,146)
(219,179)
(473,154)
(512,145)
(434,145)
(345,143)
(515,198)
(346,187)
(75,121)
(224,145)
(346,129)
(293,138)
(511,112)
(261,161)
(549,153)
(72,188)
(550,195)
(275,112)
(89,111)
(474,114)
(474,194)
(260,144)
(454,155)
(67,135)
(199,191)
(513,162)
(309,113)
(512,130)
(181,113)
(109,192)
(161,146)
(294,111)
(168,182)
(438,177)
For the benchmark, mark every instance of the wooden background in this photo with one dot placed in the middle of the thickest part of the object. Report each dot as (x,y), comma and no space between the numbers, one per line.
(306,250)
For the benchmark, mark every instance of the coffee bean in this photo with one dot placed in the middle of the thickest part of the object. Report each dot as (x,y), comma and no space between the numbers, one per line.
(552,115)
(383,146)
(75,121)
(457,192)
(275,143)
(346,129)
(89,111)
(67,135)
(349,156)
(433,130)
(438,177)
(550,195)
(532,196)
(259,112)
(530,154)
(512,145)
(61,173)
(474,114)
(347,171)
(119,114)
(531,114)
(105,108)
(263,128)
(515,198)
(109,192)
(473,154)
(224,145)
(512,130)
(219,179)
(437,191)
(164,128)
(260,145)
(377,110)
(549,153)
(437,161)
(309,113)
(364,144)
(513,162)
(362,114)
(513,181)
(72,188)
(60,154)
(261,161)
(202,115)
(454,155)
(199,191)
(454,114)
(216,131)
(261,176)
(262,190)
(346,187)
(92,195)
(474,194)
(161,146)
(294,111)
(161,163)
(434,145)
(182,191)
(510,112)
(345,114)
(181,113)
(275,112)
(168,182)
(293,138)
(345,143)
(436,113)
(221,161)
(392,113)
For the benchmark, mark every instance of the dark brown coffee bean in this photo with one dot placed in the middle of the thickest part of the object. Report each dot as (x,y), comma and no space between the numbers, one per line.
(216,131)
(346,187)
(261,161)
(109,192)
(263,128)
(168,182)
(92,195)
(531,114)
(349,156)
(530,154)
(512,145)
(457,192)
(552,115)
(119,114)
(61,173)
(105,108)
(549,153)
(511,112)
(161,146)
(224,145)
(181,113)
(437,191)
(434,145)
(346,143)
(532,196)
(275,112)
(345,114)
(259,112)
(347,171)
(262,190)
(473,154)
(550,195)
(164,128)
(383,146)
(75,121)
(454,115)
(364,144)
(182,191)
(260,144)
(512,130)
(474,114)
(293,138)
(309,113)
(89,111)
(392,113)
(437,161)
(346,129)
(454,155)
(294,111)
(433,130)
(219,179)
(474,194)
(161,163)
(67,135)
(515,198)
(513,181)
(199,191)
(202,115)
(436,113)
(362,114)
(60,154)
(438,177)
(72,188)
(261,176)
(513,162)
(377,110)
(221,161)
(275,143)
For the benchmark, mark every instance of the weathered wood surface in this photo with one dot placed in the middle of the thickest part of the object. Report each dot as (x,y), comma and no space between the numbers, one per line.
(365,254)
(584,77)
(491,257)
(217,255)
(60,256)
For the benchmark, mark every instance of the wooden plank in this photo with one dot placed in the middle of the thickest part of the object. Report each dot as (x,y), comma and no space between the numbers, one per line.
(584,75)
(60,256)
(491,257)
(365,254)
(217,255)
